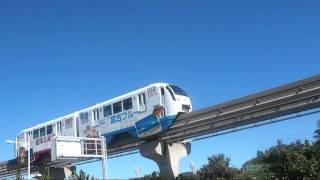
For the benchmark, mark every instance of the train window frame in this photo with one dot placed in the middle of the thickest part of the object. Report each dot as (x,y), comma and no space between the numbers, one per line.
(171,93)
(35,134)
(107,110)
(117,105)
(127,104)
(49,129)
(42,132)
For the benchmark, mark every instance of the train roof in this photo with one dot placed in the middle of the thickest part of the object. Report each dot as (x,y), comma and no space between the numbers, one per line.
(118,98)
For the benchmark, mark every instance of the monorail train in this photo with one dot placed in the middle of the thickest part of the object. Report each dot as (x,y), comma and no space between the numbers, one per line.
(143,113)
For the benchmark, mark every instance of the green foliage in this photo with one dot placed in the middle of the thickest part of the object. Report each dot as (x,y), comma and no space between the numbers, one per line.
(18,172)
(45,173)
(293,161)
(156,176)
(81,176)
(217,168)
(187,177)
(317,132)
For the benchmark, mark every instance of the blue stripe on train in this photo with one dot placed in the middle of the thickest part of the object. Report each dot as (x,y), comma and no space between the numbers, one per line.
(143,126)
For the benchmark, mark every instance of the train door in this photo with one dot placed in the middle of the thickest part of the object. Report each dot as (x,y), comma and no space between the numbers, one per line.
(68,127)
(163,101)
(142,102)
(87,127)
(163,97)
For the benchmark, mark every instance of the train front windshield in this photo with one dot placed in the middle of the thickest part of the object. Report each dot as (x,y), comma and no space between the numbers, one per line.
(178,91)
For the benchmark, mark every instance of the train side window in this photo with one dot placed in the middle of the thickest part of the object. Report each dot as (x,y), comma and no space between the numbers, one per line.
(35,134)
(117,107)
(142,99)
(127,104)
(84,117)
(96,114)
(49,129)
(42,131)
(107,111)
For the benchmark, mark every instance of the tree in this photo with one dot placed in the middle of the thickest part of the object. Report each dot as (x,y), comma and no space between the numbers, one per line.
(317,132)
(217,168)
(293,161)
(81,176)
(18,172)
(156,176)
(45,173)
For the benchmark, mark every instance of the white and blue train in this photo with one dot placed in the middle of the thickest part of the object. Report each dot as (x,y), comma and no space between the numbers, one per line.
(143,113)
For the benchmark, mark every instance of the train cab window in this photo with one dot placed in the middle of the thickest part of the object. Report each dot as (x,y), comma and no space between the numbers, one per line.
(127,104)
(171,93)
(42,131)
(178,91)
(35,134)
(84,117)
(107,111)
(49,129)
(117,107)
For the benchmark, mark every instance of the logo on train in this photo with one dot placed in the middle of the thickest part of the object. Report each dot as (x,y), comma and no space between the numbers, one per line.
(44,139)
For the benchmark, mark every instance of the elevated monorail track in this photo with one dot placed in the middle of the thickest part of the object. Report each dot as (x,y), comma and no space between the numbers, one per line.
(292,98)
(261,108)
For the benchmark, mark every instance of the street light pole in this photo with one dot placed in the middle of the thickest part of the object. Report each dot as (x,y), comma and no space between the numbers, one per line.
(28,148)
(104,158)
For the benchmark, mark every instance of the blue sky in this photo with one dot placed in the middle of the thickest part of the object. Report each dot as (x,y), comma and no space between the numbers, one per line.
(58,57)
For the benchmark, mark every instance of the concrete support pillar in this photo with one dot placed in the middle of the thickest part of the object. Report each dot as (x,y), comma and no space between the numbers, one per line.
(61,172)
(166,155)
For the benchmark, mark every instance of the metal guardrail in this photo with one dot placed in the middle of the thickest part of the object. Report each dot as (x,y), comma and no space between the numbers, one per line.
(77,147)
(284,100)
(89,149)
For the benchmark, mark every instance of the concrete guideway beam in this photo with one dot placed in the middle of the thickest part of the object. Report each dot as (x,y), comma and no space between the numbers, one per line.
(166,155)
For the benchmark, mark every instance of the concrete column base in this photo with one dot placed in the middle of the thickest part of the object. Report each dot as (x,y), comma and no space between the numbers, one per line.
(61,173)
(166,155)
